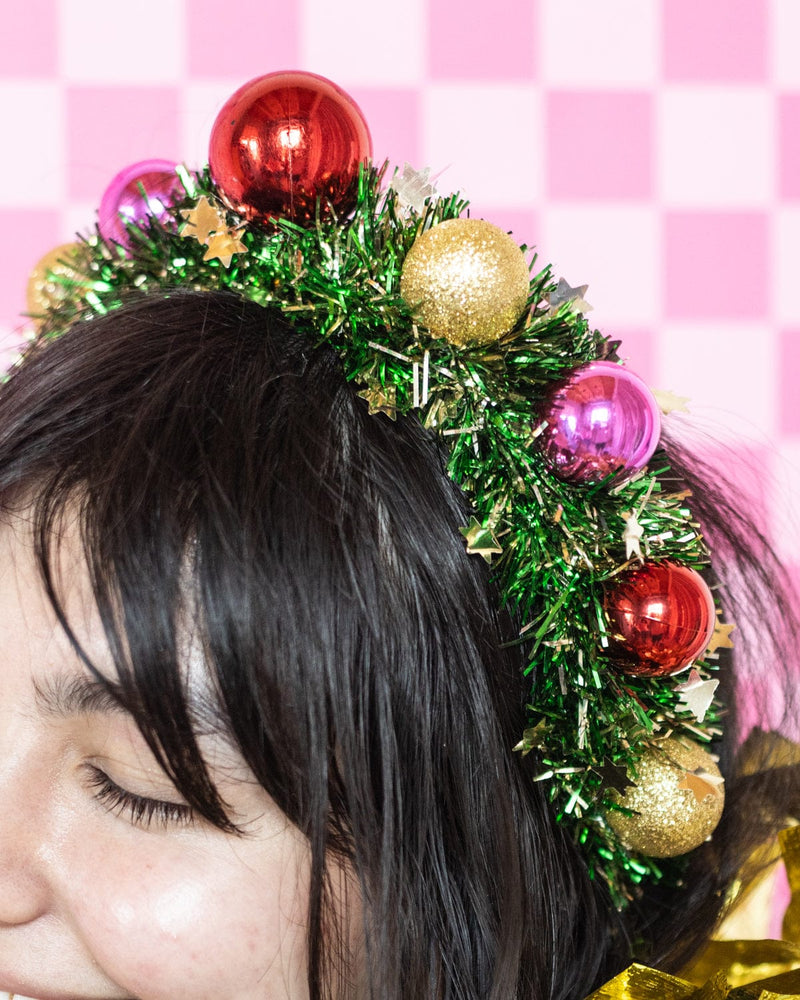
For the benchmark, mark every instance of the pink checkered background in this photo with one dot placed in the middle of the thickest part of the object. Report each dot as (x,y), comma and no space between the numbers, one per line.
(648,147)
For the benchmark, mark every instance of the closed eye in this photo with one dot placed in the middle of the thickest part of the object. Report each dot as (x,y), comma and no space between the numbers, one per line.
(137,809)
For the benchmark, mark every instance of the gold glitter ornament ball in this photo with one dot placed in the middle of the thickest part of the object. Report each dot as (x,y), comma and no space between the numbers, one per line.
(468,280)
(678,800)
(45,291)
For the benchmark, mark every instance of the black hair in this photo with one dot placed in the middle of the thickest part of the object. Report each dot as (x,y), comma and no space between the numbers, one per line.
(226,474)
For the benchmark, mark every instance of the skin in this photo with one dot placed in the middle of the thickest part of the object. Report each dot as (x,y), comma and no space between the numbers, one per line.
(95,902)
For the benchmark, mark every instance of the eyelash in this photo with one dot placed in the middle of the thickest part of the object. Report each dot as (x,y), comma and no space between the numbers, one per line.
(138,809)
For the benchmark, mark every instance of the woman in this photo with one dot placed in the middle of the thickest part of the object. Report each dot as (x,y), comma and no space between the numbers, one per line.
(259,705)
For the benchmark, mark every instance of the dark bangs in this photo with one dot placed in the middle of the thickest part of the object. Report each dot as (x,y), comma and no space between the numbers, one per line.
(233,488)
(227,477)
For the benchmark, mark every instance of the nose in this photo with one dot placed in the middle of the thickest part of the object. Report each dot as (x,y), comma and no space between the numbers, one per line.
(24,846)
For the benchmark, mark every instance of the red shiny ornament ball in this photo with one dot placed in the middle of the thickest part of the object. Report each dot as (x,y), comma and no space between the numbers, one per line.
(284,140)
(662,616)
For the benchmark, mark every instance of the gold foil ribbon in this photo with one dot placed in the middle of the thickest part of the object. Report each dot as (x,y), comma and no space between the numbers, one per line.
(790,846)
(640,983)
(730,970)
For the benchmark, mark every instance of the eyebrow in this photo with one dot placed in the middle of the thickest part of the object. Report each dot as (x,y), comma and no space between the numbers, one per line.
(62,695)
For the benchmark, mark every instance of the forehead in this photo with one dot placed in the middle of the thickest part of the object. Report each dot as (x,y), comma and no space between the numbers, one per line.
(42,664)
(26,606)
(29,620)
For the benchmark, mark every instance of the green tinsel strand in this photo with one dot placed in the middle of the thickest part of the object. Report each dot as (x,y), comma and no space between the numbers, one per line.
(339,281)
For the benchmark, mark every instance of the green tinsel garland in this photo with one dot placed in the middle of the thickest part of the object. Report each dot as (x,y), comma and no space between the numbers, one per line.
(339,281)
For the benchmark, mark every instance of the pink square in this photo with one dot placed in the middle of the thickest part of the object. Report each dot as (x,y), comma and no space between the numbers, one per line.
(393,116)
(789,145)
(30,38)
(109,128)
(599,145)
(716,265)
(481,41)
(788,381)
(36,232)
(253,38)
(715,40)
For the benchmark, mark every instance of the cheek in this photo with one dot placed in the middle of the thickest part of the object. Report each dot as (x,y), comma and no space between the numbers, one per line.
(226,918)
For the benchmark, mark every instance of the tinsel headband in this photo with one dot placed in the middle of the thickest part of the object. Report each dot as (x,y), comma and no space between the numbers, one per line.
(554,441)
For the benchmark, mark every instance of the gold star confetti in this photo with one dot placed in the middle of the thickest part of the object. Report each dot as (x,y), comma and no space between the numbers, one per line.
(613,776)
(413,188)
(480,540)
(566,293)
(668,402)
(702,783)
(696,694)
(440,411)
(632,535)
(721,639)
(203,220)
(534,738)
(222,247)
(381,400)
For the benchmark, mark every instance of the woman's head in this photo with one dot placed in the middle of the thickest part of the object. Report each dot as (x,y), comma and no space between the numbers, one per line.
(259,702)
(269,568)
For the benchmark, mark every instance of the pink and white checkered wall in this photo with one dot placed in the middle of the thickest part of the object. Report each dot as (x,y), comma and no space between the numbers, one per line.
(648,147)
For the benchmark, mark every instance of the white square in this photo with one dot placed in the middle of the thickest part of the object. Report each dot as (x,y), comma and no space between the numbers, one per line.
(584,43)
(717,146)
(363,43)
(785,270)
(785,24)
(728,370)
(32,120)
(615,249)
(486,139)
(104,42)
(79,218)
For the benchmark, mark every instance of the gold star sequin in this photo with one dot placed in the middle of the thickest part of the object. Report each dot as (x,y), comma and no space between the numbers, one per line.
(701,784)
(480,540)
(668,402)
(202,220)
(413,188)
(632,535)
(534,738)
(381,400)
(696,694)
(222,247)
(721,639)
(564,292)
(613,776)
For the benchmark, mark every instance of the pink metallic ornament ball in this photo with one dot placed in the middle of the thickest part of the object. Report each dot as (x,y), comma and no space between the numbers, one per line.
(123,198)
(601,420)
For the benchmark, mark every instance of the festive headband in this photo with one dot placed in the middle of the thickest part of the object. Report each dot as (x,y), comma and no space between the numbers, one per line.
(554,441)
